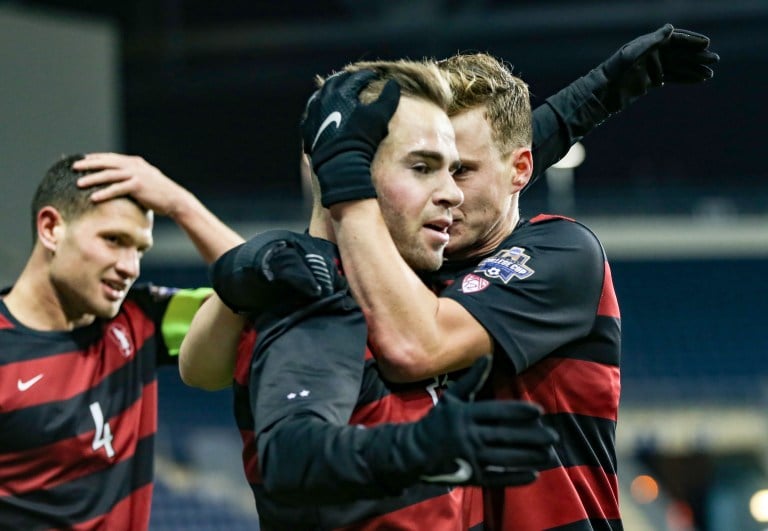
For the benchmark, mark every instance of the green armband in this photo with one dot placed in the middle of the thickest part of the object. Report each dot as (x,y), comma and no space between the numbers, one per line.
(178,316)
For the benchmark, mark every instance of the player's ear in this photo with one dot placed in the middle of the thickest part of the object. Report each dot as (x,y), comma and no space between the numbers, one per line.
(50,227)
(522,167)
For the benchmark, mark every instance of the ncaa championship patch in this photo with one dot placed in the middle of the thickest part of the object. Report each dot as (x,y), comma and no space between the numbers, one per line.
(506,265)
(472,283)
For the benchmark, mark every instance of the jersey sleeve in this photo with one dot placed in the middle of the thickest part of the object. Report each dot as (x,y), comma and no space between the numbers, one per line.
(172,310)
(561,121)
(539,291)
(310,363)
(305,378)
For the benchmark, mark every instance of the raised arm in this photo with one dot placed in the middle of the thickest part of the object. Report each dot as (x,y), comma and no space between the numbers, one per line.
(665,56)
(131,175)
(416,333)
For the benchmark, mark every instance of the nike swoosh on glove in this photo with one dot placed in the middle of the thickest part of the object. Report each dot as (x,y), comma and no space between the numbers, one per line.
(465,442)
(341,134)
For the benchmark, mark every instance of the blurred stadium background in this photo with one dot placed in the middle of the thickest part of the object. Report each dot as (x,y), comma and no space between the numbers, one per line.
(211,93)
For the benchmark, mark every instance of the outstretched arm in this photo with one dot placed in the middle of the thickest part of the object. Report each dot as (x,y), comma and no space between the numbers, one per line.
(415,332)
(130,175)
(665,56)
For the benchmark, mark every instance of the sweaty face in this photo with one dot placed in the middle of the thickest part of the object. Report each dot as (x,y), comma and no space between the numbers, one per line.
(97,257)
(485,178)
(412,172)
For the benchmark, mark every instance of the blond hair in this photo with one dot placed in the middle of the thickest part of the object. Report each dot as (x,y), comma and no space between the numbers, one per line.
(417,79)
(479,79)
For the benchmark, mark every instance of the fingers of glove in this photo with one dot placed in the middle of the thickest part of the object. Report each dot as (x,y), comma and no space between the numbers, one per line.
(309,125)
(349,84)
(339,94)
(386,103)
(466,387)
(515,456)
(629,54)
(633,50)
(494,476)
(287,264)
(680,59)
(689,68)
(682,38)
(322,271)
(654,69)
(491,412)
(691,74)
(521,433)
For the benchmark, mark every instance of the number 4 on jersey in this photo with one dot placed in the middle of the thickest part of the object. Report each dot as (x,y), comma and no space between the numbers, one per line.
(103,436)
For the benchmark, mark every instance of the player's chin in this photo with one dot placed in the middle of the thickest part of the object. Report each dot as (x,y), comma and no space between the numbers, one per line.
(107,310)
(423,258)
(432,258)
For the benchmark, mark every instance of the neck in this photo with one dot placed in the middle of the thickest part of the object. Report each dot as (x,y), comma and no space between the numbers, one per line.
(320,224)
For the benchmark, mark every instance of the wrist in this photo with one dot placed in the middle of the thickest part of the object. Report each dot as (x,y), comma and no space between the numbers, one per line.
(345,177)
(182,205)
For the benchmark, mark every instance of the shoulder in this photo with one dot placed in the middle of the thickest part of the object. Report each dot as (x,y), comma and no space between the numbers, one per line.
(549,235)
(553,251)
(554,226)
(148,301)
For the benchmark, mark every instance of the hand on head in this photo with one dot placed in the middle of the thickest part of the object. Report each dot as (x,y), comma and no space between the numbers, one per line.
(133,176)
(341,134)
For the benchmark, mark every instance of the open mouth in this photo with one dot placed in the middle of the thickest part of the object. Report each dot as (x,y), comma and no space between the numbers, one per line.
(115,290)
(439,229)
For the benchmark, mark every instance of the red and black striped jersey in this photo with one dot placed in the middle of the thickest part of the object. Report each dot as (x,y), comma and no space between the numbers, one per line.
(78,414)
(546,297)
(321,368)
(434,506)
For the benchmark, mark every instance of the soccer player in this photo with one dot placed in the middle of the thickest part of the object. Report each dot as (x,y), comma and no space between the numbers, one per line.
(79,344)
(606,90)
(537,293)
(310,384)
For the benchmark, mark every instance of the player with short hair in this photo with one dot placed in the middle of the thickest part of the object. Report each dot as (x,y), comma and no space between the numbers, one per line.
(565,118)
(80,345)
(537,293)
(372,455)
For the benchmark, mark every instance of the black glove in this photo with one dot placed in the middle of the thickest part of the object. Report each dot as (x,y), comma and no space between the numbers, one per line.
(341,134)
(489,443)
(278,270)
(459,442)
(667,55)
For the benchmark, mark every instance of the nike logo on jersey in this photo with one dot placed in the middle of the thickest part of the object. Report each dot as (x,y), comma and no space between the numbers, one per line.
(334,117)
(23,386)
(459,477)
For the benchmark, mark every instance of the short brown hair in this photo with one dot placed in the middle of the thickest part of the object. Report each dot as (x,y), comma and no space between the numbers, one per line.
(59,189)
(480,79)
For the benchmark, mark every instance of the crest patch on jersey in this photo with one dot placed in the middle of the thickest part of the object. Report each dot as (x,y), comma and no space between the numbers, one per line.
(120,337)
(472,283)
(506,265)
